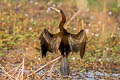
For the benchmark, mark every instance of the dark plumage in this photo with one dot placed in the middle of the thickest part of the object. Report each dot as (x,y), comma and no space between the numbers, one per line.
(63,41)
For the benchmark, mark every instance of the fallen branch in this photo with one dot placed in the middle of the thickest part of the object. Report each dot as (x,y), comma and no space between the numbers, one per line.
(16,69)
(6,73)
(22,73)
(45,65)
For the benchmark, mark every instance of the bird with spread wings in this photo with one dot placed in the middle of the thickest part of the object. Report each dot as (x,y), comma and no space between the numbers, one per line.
(63,41)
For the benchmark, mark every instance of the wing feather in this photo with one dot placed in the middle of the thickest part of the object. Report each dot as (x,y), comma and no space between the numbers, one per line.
(77,42)
(49,42)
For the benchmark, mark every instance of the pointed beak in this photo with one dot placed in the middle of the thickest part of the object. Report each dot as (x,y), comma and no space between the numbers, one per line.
(55,9)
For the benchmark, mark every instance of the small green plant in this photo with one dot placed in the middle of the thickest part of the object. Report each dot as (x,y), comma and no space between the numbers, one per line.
(56,1)
(2,54)
(95,4)
(114,7)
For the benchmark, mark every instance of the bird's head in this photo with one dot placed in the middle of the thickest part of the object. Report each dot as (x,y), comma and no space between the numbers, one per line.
(56,9)
(62,14)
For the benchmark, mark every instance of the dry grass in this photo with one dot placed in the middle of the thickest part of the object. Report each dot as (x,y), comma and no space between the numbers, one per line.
(18,72)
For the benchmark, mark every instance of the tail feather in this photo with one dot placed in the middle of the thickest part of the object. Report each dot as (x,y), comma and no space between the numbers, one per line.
(64,67)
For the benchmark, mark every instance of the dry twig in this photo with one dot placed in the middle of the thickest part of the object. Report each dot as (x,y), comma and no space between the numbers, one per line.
(113,32)
(72,17)
(52,69)
(44,66)
(6,73)
(22,73)
(16,69)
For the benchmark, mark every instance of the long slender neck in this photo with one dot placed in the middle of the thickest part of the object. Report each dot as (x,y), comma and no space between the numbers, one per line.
(62,21)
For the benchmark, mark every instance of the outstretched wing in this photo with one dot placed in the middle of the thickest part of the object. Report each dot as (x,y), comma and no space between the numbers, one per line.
(77,42)
(49,42)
